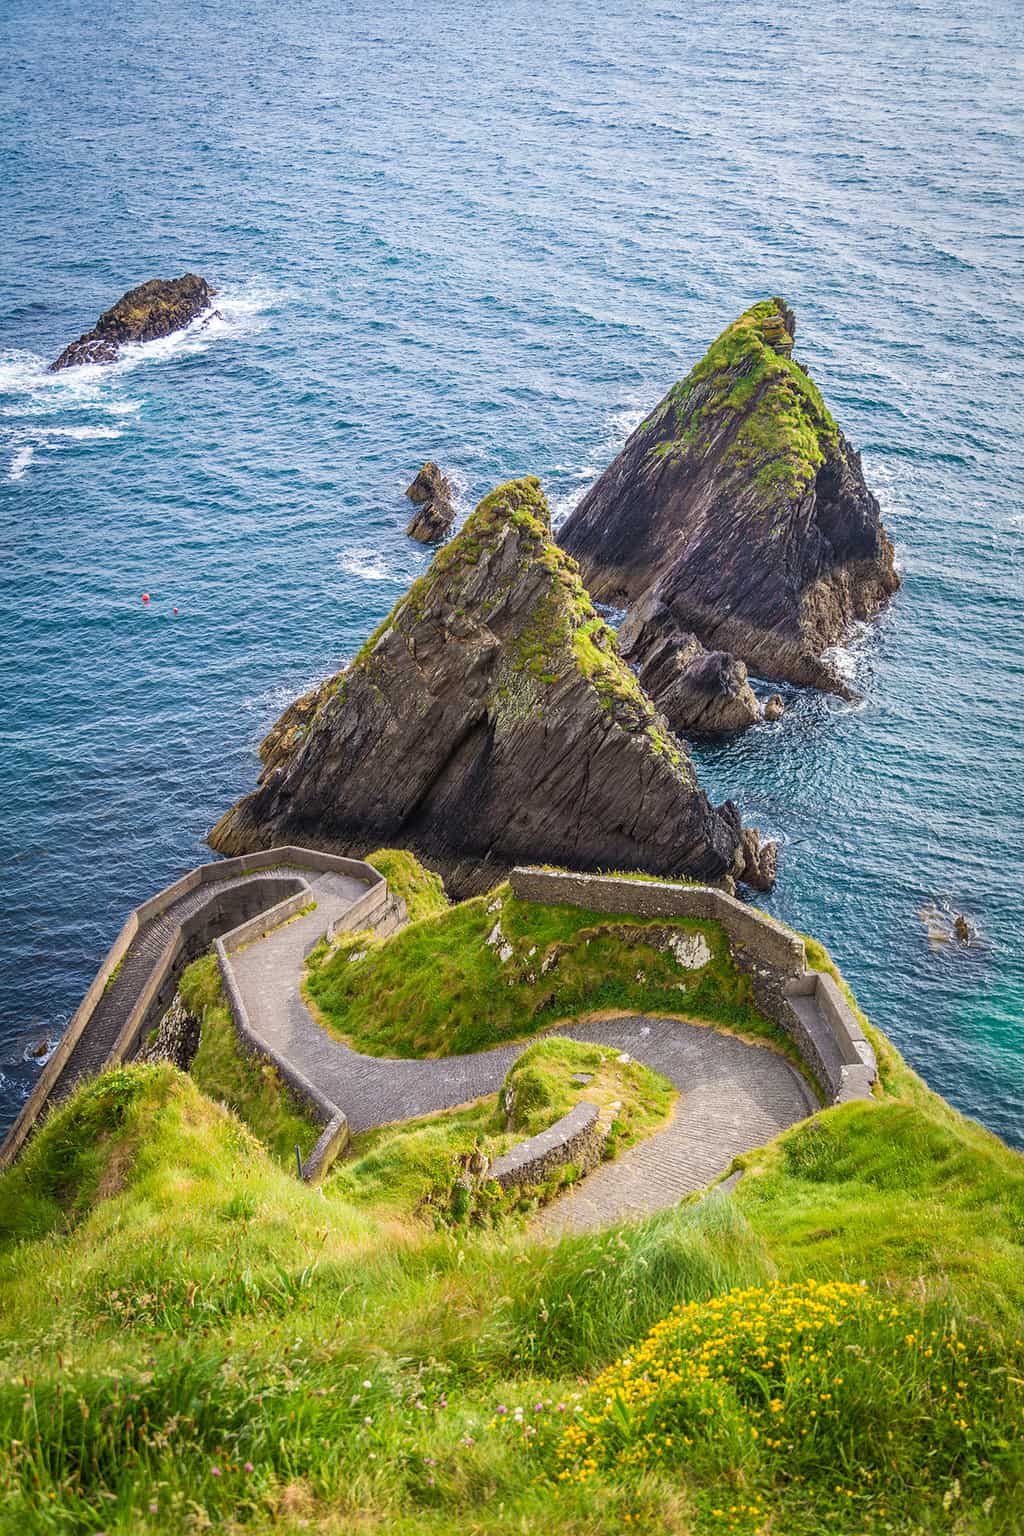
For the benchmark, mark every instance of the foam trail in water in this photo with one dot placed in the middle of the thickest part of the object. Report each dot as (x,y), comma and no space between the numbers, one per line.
(39,403)
(366,563)
(20,463)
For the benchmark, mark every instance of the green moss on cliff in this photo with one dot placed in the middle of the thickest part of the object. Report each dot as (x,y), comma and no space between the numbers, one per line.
(764,402)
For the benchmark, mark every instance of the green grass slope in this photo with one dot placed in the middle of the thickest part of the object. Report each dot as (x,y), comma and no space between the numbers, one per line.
(190,1339)
(493,969)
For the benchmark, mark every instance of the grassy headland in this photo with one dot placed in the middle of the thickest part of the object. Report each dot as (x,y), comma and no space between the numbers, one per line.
(494,969)
(191,1339)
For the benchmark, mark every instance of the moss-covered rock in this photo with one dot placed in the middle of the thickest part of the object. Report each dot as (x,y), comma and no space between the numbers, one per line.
(152,310)
(488,720)
(739,507)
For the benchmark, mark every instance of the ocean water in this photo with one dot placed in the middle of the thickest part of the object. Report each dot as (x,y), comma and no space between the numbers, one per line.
(494,236)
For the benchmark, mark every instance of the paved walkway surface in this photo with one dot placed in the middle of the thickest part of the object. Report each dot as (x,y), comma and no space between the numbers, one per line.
(733,1096)
(92,1051)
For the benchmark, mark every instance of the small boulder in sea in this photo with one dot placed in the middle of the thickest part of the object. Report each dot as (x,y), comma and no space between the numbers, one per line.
(775,707)
(962,928)
(152,310)
(431,492)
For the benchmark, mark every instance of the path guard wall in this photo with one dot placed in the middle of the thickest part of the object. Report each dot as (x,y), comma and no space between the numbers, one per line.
(807,1005)
(237,897)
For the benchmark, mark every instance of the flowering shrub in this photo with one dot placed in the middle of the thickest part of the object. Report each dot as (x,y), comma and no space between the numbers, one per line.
(822,1385)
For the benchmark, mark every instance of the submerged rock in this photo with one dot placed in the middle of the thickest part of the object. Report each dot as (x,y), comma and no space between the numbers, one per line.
(741,509)
(145,313)
(432,494)
(490,720)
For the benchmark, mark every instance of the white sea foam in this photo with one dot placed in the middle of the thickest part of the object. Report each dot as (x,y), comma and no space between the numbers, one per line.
(562,506)
(366,563)
(83,434)
(849,659)
(618,426)
(20,462)
(622,424)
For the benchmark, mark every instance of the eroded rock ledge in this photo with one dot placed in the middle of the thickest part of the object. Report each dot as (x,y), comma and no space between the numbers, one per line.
(488,720)
(738,512)
(152,310)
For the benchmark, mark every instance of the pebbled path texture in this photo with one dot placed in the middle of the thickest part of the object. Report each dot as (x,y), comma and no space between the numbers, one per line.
(734,1096)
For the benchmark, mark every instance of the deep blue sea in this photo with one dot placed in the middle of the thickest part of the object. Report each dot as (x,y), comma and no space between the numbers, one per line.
(494,235)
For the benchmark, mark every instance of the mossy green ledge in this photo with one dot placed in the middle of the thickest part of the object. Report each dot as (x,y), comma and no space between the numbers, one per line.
(489,720)
(739,514)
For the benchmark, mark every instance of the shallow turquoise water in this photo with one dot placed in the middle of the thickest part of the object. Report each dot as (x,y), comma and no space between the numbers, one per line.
(494,237)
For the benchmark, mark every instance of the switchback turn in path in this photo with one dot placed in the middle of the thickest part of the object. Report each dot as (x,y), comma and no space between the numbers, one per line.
(734,1095)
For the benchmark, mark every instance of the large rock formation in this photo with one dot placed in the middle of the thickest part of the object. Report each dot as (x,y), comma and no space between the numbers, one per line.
(145,313)
(739,507)
(431,492)
(490,720)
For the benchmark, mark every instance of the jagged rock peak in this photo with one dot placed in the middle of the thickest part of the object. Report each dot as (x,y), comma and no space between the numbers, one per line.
(741,506)
(490,720)
(431,493)
(145,313)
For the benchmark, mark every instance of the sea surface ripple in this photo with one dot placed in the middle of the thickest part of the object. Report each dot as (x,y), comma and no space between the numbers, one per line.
(494,237)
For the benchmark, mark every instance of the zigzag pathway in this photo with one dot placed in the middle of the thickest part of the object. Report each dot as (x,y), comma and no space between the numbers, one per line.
(734,1096)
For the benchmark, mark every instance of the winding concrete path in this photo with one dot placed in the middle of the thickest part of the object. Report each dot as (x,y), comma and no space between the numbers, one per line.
(734,1096)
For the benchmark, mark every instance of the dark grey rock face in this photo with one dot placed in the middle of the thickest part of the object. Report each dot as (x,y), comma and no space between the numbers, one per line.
(154,309)
(700,692)
(740,509)
(175,1039)
(490,720)
(431,492)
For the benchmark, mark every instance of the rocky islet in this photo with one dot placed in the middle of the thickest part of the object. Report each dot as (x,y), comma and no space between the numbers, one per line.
(431,494)
(735,522)
(153,309)
(490,719)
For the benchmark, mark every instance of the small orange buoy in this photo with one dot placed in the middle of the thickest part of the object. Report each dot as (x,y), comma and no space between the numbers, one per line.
(145,597)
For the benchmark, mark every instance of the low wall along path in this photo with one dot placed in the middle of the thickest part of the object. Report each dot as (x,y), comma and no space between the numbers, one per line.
(734,1095)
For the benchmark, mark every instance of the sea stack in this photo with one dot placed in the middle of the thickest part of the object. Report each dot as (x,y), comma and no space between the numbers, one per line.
(490,720)
(152,310)
(739,514)
(431,492)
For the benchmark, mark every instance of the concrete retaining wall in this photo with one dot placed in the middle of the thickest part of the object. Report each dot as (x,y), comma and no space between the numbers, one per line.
(655,898)
(806,1005)
(45,1083)
(576,1138)
(335,1134)
(192,936)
